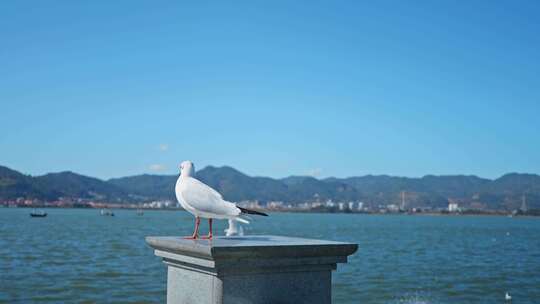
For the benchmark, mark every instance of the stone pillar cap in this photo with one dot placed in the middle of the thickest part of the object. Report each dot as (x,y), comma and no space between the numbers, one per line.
(252,246)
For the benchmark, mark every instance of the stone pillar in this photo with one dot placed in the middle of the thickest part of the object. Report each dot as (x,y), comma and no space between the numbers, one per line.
(250,269)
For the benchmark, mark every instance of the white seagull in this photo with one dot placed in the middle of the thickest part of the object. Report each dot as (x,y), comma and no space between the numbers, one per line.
(202,201)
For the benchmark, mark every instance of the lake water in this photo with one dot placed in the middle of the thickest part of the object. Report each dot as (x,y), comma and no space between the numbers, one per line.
(78,256)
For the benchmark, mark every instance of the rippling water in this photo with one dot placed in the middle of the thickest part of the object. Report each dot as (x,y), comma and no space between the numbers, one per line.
(75,255)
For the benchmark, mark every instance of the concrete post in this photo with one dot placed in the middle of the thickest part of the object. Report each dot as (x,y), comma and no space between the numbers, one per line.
(250,269)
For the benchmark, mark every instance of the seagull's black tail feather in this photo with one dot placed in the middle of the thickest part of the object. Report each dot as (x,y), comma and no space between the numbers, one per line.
(248,211)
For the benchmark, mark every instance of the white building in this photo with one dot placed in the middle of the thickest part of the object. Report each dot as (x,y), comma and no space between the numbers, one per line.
(392,207)
(330,204)
(159,204)
(275,204)
(453,207)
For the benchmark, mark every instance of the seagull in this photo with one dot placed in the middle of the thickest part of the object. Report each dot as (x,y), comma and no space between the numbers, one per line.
(202,201)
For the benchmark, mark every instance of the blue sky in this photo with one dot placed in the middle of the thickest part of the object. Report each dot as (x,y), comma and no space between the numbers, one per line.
(272,88)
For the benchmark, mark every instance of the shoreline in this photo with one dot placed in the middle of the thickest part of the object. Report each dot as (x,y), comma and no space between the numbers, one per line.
(495,213)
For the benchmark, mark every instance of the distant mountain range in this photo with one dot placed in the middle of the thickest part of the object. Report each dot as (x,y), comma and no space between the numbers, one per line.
(506,192)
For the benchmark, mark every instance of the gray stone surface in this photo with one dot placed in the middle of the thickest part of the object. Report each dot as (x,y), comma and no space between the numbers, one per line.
(250,269)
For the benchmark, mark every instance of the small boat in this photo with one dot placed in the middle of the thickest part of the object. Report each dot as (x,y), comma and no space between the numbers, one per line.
(140,212)
(106,212)
(39,213)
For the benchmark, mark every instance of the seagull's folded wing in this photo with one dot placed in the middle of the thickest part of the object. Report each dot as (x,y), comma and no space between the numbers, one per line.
(203,198)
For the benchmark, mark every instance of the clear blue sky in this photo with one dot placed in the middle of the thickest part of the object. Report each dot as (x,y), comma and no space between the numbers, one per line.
(272,88)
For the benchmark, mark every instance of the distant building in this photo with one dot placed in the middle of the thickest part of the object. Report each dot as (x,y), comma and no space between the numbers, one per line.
(341,206)
(392,207)
(304,206)
(316,205)
(523,207)
(360,205)
(275,205)
(159,204)
(453,207)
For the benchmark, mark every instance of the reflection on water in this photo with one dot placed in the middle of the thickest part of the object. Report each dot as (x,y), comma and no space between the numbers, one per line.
(78,256)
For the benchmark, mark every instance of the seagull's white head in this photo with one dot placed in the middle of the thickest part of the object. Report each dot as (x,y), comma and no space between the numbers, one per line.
(187,168)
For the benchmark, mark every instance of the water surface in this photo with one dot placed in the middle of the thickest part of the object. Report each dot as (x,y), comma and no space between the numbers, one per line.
(76,255)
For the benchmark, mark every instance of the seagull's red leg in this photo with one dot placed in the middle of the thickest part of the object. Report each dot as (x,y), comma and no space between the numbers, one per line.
(196,231)
(209,236)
